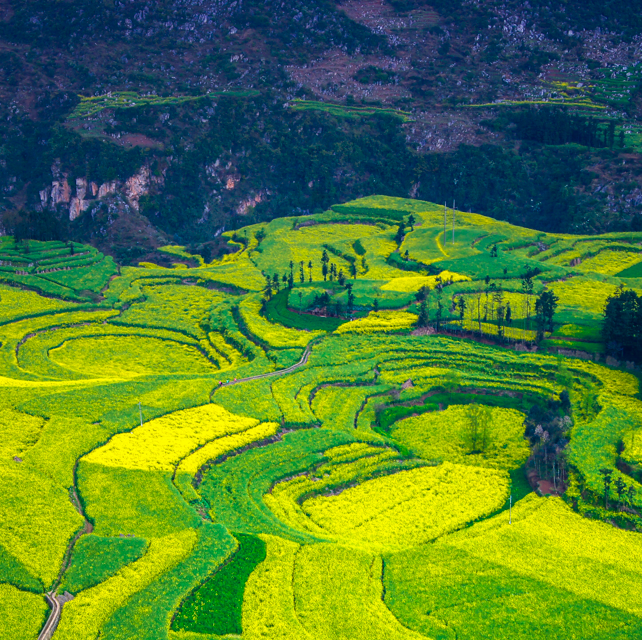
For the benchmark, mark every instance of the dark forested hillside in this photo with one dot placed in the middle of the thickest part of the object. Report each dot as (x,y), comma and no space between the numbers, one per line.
(135,123)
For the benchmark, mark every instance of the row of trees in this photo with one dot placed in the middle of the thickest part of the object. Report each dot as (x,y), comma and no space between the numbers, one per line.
(625,493)
(490,306)
(274,283)
(559,126)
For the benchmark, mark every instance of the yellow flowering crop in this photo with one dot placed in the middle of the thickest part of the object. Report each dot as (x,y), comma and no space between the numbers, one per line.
(613,380)
(19,433)
(410,284)
(378,248)
(215,449)
(583,293)
(337,407)
(610,262)
(23,614)
(129,356)
(444,435)
(283,244)
(83,617)
(161,443)
(18,303)
(487,328)
(268,600)
(338,594)
(37,520)
(379,321)
(348,464)
(552,544)
(410,507)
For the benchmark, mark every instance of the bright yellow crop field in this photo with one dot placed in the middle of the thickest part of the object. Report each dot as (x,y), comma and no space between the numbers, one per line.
(418,505)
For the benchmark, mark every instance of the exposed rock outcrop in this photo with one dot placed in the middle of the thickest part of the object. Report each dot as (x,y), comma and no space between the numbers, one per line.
(87,192)
(252,201)
(106,189)
(60,192)
(137,186)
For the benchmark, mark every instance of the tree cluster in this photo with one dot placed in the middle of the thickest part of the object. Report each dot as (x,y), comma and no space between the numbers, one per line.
(547,429)
(622,325)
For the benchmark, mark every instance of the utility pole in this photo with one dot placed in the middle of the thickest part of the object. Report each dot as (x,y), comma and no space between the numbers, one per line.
(510,508)
(445,210)
(140,411)
(453,222)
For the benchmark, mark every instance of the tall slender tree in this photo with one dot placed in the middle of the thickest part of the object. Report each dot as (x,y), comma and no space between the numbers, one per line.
(325,259)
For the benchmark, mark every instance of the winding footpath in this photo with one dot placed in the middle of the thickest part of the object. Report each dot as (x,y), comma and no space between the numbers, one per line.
(269,374)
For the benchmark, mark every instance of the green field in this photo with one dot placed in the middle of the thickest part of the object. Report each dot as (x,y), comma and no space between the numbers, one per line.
(195,454)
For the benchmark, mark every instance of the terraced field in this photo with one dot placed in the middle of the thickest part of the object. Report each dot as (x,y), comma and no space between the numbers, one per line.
(193,453)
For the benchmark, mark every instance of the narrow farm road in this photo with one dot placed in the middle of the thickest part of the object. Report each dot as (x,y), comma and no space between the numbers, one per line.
(56,601)
(290,369)
(54,617)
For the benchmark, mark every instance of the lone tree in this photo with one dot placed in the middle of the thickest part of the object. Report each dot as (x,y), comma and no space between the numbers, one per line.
(350,307)
(325,259)
(607,473)
(478,427)
(411,222)
(268,287)
(422,320)
(545,306)
(620,489)
(461,305)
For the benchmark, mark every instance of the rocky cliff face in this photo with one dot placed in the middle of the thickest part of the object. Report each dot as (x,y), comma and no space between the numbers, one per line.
(86,193)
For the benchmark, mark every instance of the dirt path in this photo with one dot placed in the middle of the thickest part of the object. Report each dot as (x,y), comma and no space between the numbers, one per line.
(56,601)
(269,374)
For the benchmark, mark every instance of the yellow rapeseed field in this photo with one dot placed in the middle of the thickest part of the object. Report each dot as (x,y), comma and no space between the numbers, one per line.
(379,321)
(161,443)
(410,507)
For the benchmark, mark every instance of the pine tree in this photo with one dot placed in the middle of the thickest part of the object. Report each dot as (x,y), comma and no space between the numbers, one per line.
(461,305)
(607,473)
(325,259)
(423,319)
